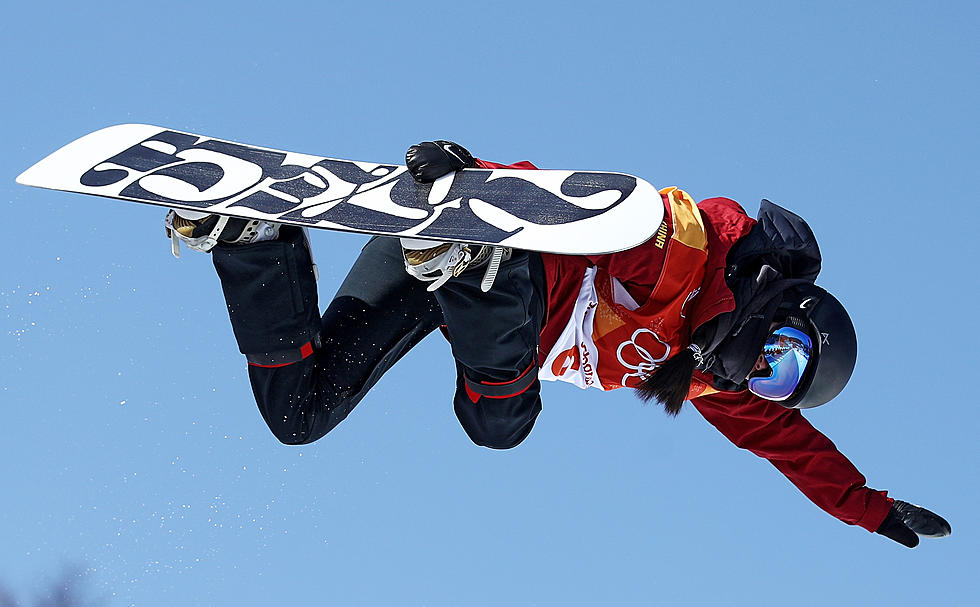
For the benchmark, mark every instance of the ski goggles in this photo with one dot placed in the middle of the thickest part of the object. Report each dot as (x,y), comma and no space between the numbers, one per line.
(787,351)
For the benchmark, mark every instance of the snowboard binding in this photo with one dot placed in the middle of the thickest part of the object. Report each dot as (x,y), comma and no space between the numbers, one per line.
(203,231)
(438,262)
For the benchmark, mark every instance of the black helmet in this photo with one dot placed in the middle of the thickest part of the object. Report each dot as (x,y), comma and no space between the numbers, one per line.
(818,313)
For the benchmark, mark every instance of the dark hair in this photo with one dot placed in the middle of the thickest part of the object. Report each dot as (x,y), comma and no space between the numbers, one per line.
(671,382)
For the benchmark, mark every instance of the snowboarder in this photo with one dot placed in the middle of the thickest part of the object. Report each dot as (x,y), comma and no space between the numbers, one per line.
(717,308)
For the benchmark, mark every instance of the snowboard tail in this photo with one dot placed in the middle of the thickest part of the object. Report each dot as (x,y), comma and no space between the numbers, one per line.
(556,211)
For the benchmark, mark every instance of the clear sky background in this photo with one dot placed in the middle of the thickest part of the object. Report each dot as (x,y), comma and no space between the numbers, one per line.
(134,455)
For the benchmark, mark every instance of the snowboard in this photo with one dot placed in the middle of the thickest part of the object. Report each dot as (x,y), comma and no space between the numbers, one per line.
(555,211)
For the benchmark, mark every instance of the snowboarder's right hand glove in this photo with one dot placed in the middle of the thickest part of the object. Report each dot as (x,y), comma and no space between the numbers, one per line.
(906,520)
(431,160)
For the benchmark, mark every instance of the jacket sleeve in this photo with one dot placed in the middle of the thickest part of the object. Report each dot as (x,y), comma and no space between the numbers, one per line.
(486,164)
(802,453)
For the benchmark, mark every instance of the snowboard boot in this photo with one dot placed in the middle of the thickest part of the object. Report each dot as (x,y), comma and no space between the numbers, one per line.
(437,262)
(202,231)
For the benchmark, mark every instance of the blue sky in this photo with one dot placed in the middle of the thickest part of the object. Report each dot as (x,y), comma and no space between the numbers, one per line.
(133,450)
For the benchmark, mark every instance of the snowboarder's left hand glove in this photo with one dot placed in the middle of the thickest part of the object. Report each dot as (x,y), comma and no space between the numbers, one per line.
(906,520)
(431,160)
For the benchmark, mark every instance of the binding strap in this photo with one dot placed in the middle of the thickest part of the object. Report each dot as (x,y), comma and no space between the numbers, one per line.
(502,389)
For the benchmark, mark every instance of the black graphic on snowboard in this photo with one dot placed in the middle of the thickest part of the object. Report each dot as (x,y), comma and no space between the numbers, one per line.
(558,211)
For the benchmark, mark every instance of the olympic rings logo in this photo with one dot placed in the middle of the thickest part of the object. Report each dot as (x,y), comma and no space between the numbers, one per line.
(641,355)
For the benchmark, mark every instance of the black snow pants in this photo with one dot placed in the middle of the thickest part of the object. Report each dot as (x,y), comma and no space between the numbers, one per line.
(308,371)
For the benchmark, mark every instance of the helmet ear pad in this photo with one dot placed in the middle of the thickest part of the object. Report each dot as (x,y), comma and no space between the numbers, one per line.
(818,313)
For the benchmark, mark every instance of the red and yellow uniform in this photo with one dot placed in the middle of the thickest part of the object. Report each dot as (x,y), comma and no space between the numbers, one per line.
(612,319)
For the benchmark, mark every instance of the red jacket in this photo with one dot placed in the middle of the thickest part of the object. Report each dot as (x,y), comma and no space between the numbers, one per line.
(783,436)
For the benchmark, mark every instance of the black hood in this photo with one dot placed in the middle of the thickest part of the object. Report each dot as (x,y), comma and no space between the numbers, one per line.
(778,254)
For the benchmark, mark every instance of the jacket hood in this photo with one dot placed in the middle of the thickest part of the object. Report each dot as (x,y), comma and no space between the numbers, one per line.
(779,253)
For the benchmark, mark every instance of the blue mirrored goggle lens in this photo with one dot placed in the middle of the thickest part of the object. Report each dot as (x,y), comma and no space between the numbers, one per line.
(787,352)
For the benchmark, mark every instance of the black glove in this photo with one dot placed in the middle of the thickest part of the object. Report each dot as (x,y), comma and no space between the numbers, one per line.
(430,160)
(905,520)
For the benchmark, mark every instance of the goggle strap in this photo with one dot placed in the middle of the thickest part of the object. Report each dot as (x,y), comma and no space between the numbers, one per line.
(798,324)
